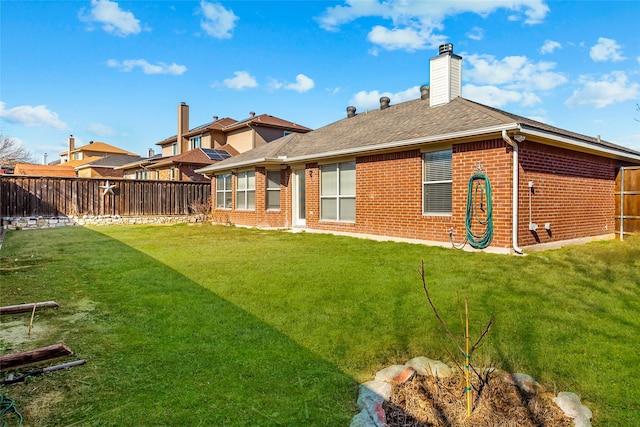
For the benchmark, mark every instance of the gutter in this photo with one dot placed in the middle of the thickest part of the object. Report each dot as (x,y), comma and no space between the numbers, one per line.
(514,197)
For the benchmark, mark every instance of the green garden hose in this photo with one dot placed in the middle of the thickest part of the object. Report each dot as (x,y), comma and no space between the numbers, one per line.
(479,211)
(8,405)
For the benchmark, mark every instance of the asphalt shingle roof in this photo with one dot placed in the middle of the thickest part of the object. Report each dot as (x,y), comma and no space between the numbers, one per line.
(112,160)
(406,121)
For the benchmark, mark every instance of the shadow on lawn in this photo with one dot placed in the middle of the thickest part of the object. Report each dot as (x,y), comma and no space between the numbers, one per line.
(162,350)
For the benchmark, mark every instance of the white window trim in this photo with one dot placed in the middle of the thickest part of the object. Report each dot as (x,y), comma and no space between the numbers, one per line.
(425,183)
(246,191)
(225,191)
(191,142)
(273,190)
(338,196)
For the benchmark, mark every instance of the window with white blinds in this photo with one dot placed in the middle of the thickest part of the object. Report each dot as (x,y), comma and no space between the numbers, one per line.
(437,183)
(223,191)
(338,192)
(273,190)
(246,191)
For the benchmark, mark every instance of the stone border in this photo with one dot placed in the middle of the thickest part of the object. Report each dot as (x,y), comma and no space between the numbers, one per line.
(374,393)
(34,223)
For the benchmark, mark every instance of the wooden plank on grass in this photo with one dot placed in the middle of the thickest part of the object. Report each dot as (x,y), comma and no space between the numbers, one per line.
(30,357)
(23,308)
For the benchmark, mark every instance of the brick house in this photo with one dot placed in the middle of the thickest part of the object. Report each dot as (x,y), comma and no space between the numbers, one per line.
(76,156)
(192,149)
(105,167)
(411,171)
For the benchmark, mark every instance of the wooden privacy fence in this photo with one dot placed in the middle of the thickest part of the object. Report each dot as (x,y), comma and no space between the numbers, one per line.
(28,196)
(628,201)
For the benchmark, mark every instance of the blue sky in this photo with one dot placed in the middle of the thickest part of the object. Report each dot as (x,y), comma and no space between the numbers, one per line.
(115,71)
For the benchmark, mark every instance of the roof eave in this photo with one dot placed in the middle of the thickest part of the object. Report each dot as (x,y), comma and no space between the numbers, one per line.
(209,170)
(573,143)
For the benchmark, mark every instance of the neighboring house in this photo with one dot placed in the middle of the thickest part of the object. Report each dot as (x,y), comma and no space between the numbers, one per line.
(404,171)
(192,149)
(90,152)
(174,168)
(227,134)
(94,160)
(105,167)
(139,169)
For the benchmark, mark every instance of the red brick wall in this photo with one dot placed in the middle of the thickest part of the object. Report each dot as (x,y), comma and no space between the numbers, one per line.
(258,217)
(495,157)
(98,172)
(573,191)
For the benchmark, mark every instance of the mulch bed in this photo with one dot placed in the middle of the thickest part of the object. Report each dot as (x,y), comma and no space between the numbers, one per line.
(428,401)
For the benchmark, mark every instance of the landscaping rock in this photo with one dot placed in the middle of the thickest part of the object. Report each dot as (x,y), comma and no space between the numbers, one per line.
(571,405)
(524,382)
(391,372)
(429,367)
(363,419)
(376,391)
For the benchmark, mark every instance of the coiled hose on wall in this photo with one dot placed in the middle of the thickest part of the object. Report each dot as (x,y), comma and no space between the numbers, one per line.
(479,212)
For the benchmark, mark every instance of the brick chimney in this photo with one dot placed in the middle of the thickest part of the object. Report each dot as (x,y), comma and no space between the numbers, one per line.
(183,125)
(71,147)
(445,76)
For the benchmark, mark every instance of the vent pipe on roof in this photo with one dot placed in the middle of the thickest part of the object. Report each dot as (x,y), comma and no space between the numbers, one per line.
(150,153)
(252,114)
(384,102)
(215,118)
(424,92)
(351,111)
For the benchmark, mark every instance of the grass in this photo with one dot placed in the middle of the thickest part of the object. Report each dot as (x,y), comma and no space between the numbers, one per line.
(211,325)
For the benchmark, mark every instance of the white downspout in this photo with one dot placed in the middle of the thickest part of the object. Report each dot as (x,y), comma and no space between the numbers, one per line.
(514,209)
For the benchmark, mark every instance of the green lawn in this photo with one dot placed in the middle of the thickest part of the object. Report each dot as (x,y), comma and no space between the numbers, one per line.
(224,326)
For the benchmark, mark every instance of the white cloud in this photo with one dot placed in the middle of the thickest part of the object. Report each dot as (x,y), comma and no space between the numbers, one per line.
(113,19)
(100,129)
(364,100)
(606,50)
(495,97)
(550,46)
(242,80)
(218,22)
(407,38)
(160,68)
(515,72)
(413,25)
(28,115)
(302,84)
(476,33)
(612,88)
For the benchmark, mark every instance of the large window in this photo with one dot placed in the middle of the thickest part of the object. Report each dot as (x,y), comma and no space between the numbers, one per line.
(273,190)
(436,184)
(246,191)
(338,192)
(223,191)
